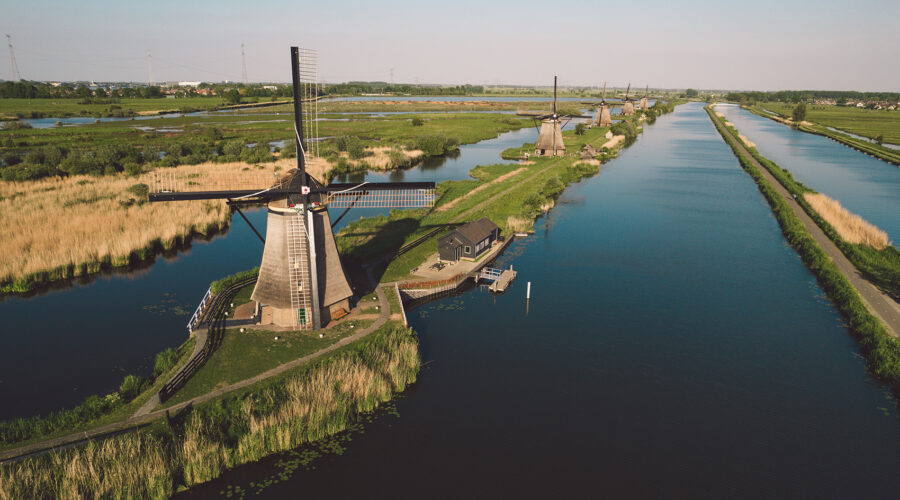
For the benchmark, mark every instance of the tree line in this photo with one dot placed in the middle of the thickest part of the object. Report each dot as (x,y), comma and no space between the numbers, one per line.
(798,96)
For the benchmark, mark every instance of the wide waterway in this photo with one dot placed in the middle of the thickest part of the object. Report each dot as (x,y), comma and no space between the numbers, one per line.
(674,347)
(863,184)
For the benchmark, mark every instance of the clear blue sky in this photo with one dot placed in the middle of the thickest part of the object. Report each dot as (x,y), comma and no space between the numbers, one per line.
(763,45)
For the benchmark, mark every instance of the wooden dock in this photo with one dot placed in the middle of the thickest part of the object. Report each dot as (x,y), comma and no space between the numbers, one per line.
(502,283)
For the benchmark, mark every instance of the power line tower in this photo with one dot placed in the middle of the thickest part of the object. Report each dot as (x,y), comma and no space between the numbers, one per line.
(12,60)
(149,69)
(243,65)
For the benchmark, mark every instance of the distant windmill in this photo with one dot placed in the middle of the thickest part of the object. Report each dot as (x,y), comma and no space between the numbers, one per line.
(550,141)
(12,60)
(644,98)
(301,278)
(628,106)
(602,117)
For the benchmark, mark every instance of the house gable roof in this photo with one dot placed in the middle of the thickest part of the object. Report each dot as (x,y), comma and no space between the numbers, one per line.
(478,230)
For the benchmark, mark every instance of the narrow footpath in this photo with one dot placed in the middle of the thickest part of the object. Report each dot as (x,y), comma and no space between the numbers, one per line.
(879,303)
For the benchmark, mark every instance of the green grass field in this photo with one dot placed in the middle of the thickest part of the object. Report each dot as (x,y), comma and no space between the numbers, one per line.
(865,122)
(243,355)
(74,107)
(467,127)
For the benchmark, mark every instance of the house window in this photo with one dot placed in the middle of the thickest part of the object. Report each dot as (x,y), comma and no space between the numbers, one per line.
(468,249)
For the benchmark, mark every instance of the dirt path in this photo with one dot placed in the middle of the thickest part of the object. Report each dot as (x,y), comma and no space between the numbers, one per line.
(448,206)
(880,304)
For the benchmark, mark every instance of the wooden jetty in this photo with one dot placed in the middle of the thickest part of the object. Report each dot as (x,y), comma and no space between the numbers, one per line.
(502,282)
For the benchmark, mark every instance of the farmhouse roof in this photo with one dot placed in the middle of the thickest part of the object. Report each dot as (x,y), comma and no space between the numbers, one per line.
(477,230)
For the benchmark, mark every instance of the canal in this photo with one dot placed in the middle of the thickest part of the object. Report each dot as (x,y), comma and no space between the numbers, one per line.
(674,346)
(863,184)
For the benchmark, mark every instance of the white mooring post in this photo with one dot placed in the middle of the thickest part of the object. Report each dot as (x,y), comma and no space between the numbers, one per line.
(528,291)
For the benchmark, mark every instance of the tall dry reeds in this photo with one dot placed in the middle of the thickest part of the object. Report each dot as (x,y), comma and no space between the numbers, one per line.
(134,465)
(320,402)
(850,227)
(62,227)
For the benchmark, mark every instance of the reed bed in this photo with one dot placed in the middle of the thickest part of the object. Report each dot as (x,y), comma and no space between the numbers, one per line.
(59,228)
(519,224)
(850,227)
(322,400)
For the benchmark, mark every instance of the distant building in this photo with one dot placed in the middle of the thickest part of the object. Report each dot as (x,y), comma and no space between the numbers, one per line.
(189,84)
(270,87)
(468,241)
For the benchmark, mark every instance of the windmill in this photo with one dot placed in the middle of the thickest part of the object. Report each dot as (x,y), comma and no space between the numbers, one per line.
(644,99)
(301,279)
(550,141)
(628,106)
(602,117)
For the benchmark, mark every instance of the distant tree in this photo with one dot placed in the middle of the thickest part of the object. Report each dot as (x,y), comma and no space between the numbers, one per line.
(879,139)
(232,97)
(418,122)
(579,129)
(799,113)
(691,93)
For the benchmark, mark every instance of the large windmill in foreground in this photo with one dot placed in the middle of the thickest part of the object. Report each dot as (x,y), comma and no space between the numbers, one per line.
(550,140)
(301,278)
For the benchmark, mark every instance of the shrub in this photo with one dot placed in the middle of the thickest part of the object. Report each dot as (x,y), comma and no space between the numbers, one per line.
(16,125)
(219,286)
(417,122)
(139,190)
(233,147)
(289,150)
(165,361)
(131,387)
(579,129)
(212,134)
(356,150)
(10,159)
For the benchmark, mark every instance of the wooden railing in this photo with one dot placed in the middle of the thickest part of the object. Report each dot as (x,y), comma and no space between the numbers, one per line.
(431,284)
(214,318)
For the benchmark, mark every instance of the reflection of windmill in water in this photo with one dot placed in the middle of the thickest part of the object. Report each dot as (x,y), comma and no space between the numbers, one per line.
(628,105)
(301,281)
(602,118)
(550,140)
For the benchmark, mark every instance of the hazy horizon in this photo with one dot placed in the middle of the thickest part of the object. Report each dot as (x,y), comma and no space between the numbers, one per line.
(706,45)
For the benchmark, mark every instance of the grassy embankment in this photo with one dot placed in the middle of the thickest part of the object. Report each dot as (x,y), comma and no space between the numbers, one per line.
(108,226)
(863,122)
(881,350)
(879,265)
(314,401)
(244,355)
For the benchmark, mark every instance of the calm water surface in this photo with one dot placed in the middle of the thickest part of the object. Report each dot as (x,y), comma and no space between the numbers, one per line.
(674,347)
(864,185)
